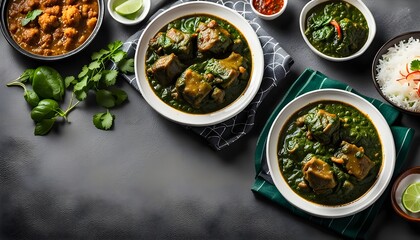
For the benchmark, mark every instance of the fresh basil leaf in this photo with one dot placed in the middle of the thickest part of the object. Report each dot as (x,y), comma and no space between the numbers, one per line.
(26,75)
(44,126)
(30,16)
(31,98)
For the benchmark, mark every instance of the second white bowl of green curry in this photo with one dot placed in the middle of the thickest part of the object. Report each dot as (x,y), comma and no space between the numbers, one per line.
(330,153)
(337,30)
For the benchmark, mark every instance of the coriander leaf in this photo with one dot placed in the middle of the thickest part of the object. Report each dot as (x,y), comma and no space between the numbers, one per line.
(114,45)
(84,72)
(82,84)
(94,65)
(97,77)
(110,77)
(30,16)
(81,88)
(80,95)
(105,98)
(98,55)
(415,65)
(103,121)
(118,56)
(119,95)
(70,80)
(44,126)
(126,65)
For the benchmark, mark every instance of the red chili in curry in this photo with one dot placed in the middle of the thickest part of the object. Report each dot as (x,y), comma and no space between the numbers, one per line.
(268,7)
(62,26)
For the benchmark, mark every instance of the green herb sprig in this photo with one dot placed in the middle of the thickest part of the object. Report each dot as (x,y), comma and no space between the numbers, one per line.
(48,88)
(415,65)
(94,77)
(30,16)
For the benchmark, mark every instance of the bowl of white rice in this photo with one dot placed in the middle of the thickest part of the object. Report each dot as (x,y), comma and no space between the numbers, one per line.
(396,72)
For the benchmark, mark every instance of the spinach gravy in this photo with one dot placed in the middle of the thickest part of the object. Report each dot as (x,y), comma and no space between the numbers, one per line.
(336,28)
(198,64)
(330,153)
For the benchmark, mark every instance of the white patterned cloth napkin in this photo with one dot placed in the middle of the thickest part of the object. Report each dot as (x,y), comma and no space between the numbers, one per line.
(277,65)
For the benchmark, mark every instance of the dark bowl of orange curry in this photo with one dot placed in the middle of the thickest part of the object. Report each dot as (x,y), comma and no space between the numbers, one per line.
(50,29)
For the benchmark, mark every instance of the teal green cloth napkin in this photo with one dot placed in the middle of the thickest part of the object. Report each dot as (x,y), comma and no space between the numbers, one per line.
(354,226)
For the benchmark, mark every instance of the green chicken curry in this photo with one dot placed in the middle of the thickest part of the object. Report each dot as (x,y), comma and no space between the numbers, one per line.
(198,64)
(330,153)
(336,28)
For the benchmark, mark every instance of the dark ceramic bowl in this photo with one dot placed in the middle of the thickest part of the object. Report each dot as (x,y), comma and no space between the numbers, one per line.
(9,38)
(378,56)
(401,183)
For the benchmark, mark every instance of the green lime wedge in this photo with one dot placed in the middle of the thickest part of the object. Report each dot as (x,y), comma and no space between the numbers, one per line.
(129,7)
(411,198)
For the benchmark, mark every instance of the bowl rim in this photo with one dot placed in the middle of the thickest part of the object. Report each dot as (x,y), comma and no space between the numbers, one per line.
(5,30)
(266,16)
(382,50)
(125,21)
(385,172)
(394,202)
(208,8)
(356,3)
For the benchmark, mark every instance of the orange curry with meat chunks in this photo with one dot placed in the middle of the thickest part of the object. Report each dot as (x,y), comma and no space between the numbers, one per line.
(51,27)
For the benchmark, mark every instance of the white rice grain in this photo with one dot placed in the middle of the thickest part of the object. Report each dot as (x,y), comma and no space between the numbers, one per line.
(402,93)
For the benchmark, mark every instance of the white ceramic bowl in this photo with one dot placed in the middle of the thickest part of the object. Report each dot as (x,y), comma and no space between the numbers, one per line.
(126,21)
(356,3)
(270,16)
(385,172)
(194,8)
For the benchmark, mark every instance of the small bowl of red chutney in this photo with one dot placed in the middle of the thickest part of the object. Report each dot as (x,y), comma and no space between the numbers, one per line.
(268,9)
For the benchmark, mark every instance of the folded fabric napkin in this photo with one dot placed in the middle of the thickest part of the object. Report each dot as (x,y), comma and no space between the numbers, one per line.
(277,65)
(354,226)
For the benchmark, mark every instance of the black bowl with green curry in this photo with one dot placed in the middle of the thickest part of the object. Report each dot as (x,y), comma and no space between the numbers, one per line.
(330,153)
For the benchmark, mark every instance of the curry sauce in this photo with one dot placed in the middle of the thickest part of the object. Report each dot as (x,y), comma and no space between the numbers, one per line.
(61,26)
(330,153)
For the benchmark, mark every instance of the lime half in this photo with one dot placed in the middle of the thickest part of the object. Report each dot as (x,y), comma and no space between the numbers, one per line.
(411,198)
(129,7)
